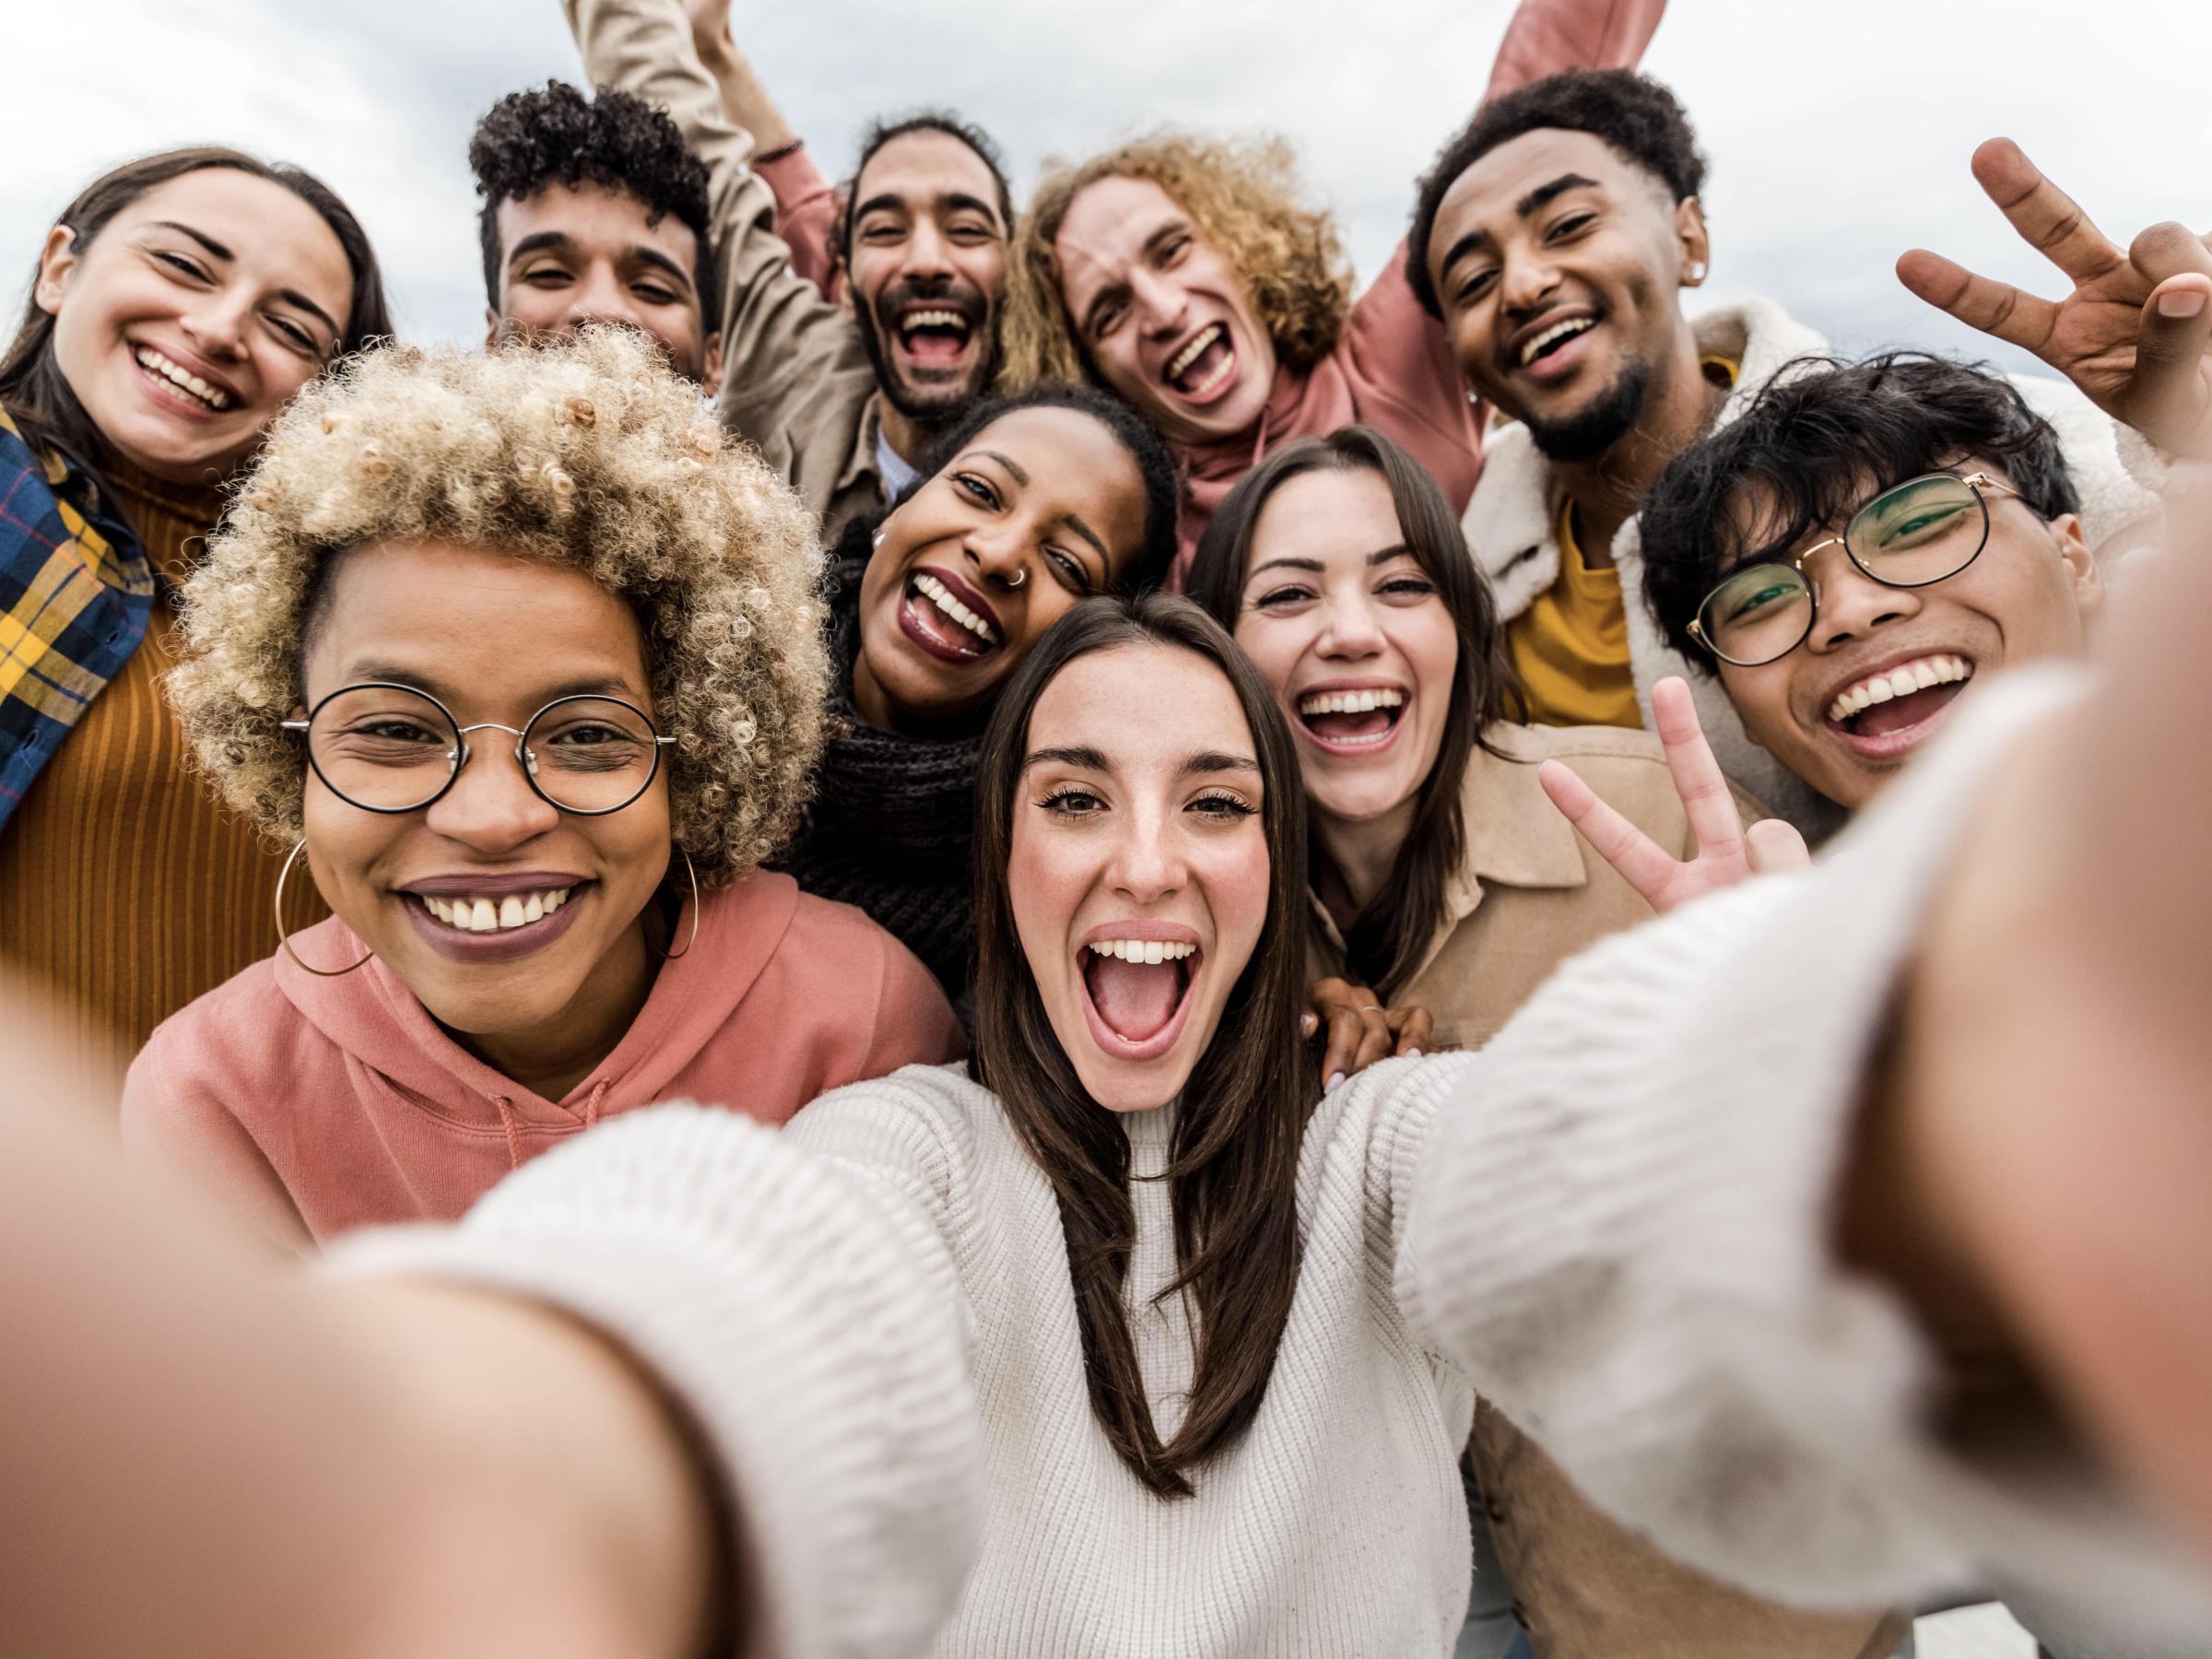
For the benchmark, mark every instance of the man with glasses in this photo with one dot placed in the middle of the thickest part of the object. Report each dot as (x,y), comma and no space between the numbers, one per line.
(1557,237)
(1856,549)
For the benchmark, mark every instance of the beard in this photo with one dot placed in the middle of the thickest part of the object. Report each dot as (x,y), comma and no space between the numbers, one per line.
(1592,430)
(942,404)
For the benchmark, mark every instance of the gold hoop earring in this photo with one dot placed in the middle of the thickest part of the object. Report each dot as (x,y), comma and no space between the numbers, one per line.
(670,956)
(285,942)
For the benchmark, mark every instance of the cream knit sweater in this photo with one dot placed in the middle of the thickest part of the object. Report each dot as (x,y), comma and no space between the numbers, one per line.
(1611,1221)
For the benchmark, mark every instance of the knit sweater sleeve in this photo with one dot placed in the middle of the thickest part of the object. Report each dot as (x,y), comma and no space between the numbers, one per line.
(1617,1224)
(802,1307)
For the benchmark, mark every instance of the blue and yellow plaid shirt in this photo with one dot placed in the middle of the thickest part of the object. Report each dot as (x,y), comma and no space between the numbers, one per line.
(75,596)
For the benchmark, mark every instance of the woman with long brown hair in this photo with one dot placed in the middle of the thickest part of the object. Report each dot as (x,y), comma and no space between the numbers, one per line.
(178,303)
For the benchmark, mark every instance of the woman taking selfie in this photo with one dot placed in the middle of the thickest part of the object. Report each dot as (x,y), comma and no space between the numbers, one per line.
(1444,876)
(542,861)
(177,304)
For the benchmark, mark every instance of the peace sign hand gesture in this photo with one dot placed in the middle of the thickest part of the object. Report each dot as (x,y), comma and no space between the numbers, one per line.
(1728,853)
(2134,332)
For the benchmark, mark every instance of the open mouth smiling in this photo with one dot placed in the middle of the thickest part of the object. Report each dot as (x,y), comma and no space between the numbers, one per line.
(935,335)
(1203,366)
(174,378)
(948,618)
(1546,348)
(1352,719)
(1895,709)
(492,918)
(1137,980)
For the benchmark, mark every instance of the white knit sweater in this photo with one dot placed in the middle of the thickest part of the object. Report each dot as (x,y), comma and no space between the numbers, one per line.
(1612,1221)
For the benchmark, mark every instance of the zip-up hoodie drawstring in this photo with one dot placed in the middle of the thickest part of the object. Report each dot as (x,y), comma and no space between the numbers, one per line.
(591,1107)
(514,1131)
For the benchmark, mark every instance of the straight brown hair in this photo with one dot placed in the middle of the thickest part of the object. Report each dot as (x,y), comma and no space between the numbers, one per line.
(1232,1167)
(1385,943)
(32,389)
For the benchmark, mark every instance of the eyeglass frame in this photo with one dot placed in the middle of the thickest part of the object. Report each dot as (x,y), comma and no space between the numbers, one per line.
(1976,481)
(460,757)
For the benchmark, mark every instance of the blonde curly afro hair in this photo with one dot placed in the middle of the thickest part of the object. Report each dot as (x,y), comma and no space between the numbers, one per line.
(585,453)
(1242,193)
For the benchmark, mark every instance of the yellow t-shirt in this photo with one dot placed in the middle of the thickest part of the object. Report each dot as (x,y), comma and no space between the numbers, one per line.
(1571,644)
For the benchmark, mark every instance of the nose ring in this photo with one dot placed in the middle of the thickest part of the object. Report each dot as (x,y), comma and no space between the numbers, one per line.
(1018,578)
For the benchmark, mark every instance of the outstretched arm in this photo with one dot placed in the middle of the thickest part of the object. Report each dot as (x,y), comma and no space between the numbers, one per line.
(2132,334)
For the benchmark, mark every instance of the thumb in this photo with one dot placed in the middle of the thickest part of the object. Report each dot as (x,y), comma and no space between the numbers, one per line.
(1774,846)
(2171,398)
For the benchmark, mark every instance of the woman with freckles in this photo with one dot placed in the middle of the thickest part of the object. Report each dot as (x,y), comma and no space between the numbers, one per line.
(178,303)
(524,662)
(1445,878)
(1189,277)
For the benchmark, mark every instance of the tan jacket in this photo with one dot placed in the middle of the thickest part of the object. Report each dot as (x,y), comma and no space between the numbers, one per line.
(797,380)
(1533,893)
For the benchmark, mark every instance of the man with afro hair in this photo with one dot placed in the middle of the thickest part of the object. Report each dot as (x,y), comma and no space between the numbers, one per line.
(595,211)
(1555,238)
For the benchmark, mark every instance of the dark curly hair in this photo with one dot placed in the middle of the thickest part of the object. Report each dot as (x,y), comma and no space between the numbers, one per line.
(1155,465)
(1817,440)
(1631,112)
(556,134)
(922,121)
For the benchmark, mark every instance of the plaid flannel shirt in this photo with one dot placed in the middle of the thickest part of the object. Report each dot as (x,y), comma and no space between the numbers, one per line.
(76,593)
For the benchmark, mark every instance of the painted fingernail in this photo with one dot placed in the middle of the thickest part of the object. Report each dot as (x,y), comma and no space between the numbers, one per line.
(2181,302)
(1335,1078)
(1308,1024)
(1413,1053)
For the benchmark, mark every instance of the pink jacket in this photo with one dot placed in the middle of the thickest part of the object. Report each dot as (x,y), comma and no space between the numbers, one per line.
(323,1104)
(1392,368)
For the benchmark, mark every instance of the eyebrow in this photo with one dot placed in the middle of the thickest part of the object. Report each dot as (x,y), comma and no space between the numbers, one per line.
(562,242)
(1531,202)
(216,251)
(1087,758)
(1170,228)
(1379,556)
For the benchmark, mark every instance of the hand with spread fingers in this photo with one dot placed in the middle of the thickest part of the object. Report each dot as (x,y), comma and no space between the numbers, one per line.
(1359,1029)
(2132,334)
(1727,852)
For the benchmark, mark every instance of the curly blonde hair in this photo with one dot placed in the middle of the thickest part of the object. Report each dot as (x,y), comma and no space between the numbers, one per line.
(585,453)
(1243,195)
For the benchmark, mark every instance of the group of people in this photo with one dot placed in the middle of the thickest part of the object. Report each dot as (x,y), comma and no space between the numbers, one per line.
(1073,823)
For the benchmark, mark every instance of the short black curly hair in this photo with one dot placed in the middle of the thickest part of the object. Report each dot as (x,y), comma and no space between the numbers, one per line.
(557,134)
(1631,112)
(1816,440)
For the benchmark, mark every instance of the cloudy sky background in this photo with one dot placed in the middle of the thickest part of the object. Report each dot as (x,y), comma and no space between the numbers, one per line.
(1838,130)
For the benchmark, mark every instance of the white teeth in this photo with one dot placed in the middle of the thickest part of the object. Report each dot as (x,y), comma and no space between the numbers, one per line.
(1349,703)
(1558,331)
(1142,950)
(488,914)
(941,596)
(931,319)
(178,376)
(1919,674)
(1189,354)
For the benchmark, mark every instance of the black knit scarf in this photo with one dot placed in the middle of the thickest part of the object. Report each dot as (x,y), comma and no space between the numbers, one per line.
(892,820)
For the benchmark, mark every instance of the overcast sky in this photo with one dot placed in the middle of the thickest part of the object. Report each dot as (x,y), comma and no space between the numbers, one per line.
(1838,130)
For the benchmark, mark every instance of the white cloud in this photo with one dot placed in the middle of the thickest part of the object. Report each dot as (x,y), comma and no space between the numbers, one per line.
(1838,131)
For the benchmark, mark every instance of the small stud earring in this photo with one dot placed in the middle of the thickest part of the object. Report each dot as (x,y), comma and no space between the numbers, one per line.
(1697,272)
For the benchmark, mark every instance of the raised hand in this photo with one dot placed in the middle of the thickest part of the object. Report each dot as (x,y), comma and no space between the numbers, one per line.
(2134,332)
(1361,1031)
(1728,853)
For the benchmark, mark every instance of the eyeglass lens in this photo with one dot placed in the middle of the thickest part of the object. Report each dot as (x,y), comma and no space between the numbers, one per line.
(391,749)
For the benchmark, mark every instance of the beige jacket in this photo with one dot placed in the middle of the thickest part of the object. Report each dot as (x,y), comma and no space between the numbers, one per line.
(1532,894)
(797,380)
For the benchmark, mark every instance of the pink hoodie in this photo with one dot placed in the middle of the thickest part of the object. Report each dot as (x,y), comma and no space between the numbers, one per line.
(323,1104)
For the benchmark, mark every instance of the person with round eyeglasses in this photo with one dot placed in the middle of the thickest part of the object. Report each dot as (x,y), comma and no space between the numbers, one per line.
(524,663)
(1859,549)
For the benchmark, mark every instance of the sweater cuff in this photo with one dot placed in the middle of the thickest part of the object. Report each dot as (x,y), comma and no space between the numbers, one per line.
(819,1361)
(1624,1232)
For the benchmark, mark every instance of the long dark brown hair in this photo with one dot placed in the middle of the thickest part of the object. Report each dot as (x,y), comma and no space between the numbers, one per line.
(32,390)
(1385,944)
(1233,1165)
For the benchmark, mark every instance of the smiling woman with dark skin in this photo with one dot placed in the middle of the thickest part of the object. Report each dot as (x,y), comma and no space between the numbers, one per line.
(542,861)
(1034,503)
(177,305)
